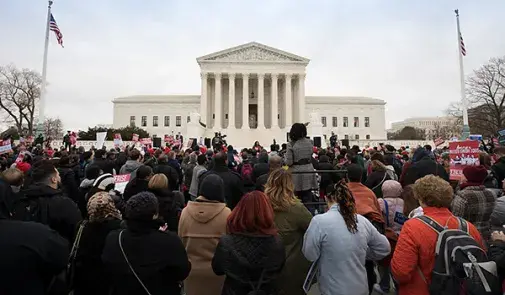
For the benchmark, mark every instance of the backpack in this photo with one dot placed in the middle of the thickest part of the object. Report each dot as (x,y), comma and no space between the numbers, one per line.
(31,209)
(256,289)
(461,265)
(247,172)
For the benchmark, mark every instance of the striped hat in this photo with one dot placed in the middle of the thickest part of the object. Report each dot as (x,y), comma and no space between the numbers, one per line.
(103,181)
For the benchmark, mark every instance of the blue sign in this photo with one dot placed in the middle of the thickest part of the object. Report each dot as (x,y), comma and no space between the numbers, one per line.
(502,132)
(475,137)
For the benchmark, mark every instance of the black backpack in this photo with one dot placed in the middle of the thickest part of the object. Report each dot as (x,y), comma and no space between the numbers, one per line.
(461,265)
(31,209)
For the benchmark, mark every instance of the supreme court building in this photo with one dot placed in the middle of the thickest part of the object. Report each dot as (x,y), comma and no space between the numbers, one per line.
(252,92)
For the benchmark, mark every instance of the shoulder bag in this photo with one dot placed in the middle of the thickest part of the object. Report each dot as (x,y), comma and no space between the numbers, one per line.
(73,255)
(129,265)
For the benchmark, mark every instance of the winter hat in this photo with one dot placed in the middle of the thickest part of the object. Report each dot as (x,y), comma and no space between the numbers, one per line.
(142,207)
(391,189)
(212,188)
(103,181)
(475,174)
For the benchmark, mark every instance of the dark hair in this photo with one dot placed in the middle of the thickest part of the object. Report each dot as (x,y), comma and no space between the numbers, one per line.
(87,155)
(428,147)
(144,172)
(64,161)
(298,131)
(253,214)
(134,155)
(43,171)
(142,206)
(201,159)
(354,173)
(346,203)
(92,171)
(220,159)
(100,153)
(485,160)
(377,156)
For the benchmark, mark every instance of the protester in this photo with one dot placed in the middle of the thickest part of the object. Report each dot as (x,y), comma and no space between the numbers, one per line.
(234,188)
(377,178)
(13,180)
(298,157)
(326,178)
(43,202)
(251,254)
(141,259)
(499,167)
(414,256)
(202,224)
(90,276)
(133,163)
(261,168)
(197,172)
(172,162)
(292,219)
(69,183)
(274,163)
(169,206)
(106,165)
(138,184)
(473,201)
(188,171)
(411,207)
(92,173)
(422,165)
(341,240)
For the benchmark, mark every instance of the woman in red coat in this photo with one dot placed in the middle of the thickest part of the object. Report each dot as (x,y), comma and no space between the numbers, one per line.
(415,250)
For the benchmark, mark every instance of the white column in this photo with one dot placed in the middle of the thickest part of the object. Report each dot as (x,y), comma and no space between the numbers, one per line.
(218,122)
(245,101)
(301,98)
(231,101)
(261,101)
(275,109)
(203,100)
(289,107)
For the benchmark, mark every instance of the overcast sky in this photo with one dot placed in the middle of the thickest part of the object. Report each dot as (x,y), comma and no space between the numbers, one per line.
(404,52)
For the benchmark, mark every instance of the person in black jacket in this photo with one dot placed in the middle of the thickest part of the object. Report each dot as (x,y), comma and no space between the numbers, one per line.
(422,165)
(234,188)
(261,167)
(139,183)
(106,165)
(90,276)
(45,203)
(274,163)
(251,250)
(170,206)
(326,178)
(30,253)
(69,185)
(157,258)
(170,172)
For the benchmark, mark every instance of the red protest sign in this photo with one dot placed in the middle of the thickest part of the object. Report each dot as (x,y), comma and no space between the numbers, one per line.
(5,146)
(121,181)
(146,141)
(463,154)
(439,141)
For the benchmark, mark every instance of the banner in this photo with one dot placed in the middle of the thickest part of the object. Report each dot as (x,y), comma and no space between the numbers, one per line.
(5,146)
(190,143)
(146,141)
(463,154)
(121,181)
(118,141)
(439,141)
(135,137)
(100,139)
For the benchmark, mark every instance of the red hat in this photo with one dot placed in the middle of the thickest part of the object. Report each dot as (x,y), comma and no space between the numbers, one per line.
(315,150)
(475,174)
(203,149)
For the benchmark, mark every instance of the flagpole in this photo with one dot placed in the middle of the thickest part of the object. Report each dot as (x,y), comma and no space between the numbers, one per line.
(464,102)
(42,99)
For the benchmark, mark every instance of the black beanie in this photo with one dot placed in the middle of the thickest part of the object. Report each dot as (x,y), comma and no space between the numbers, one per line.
(212,188)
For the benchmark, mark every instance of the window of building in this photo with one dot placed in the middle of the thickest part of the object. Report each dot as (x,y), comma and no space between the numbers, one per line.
(132,121)
(188,119)
(368,136)
(178,121)
(155,121)
(367,121)
(334,121)
(167,121)
(144,121)
(226,116)
(356,121)
(356,137)
(346,136)
(323,121)
(346,122)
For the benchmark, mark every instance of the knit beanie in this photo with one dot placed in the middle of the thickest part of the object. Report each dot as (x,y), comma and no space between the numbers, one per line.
(475,174)
(391,189)
(103,181)
(212,188)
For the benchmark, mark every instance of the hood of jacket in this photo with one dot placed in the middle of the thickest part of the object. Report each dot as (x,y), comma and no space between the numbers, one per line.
(87,183)
(203,212)
(41,191)
(131,165)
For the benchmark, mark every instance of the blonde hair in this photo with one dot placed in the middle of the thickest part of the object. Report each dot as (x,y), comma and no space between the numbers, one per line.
(280,190)
(13,176)
(158,181)
(433,191)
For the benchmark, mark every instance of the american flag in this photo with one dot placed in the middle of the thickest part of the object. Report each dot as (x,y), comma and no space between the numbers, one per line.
(54,27)
(462,45)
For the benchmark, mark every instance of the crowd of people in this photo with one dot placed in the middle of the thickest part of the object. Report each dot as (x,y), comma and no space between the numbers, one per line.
(251,221)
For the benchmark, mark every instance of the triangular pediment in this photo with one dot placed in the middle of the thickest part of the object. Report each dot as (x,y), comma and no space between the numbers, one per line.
(253,52)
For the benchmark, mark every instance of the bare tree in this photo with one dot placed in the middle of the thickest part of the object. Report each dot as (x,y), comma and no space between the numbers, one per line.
(53,129)
(486,96)
(447,130)
(19,93)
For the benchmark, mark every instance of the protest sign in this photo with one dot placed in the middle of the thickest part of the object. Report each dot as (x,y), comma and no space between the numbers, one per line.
(190,143)
(121,181)
(100,139)
(135,137)
(439,141)
(475,137)
(463,154)
(118,141)
(146,141)
(5,146)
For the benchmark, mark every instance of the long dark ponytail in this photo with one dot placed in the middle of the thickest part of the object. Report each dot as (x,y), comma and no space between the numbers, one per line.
(347,206)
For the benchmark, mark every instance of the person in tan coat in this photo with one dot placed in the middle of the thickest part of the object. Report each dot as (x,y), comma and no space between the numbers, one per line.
(201,225)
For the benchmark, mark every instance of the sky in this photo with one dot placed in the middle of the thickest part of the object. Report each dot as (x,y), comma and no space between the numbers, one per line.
(404,52)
